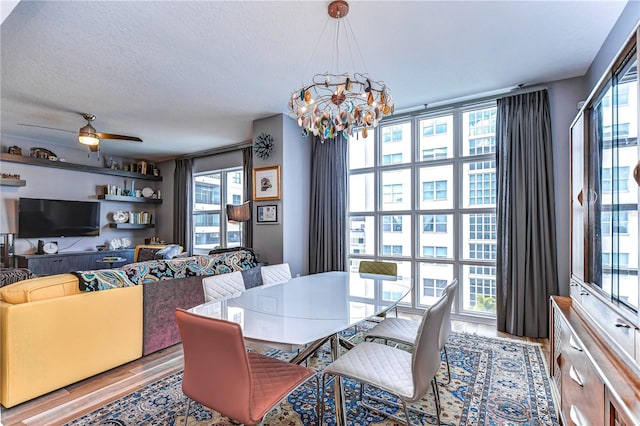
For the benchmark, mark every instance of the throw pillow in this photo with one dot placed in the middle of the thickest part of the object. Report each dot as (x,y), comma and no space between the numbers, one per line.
(169,252)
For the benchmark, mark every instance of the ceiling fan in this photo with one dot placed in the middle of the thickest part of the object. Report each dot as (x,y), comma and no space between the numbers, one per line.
(87,135)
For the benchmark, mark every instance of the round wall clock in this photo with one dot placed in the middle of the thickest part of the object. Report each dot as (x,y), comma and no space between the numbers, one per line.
(263,145)
(50,248)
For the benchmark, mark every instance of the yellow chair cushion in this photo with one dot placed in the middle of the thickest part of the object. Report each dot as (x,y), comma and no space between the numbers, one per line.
(40,288)
(381,268)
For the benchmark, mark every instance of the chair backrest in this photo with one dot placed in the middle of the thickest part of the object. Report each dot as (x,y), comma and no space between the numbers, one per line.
(223,286)
(445,329)
(426,353)
(380,268)
(274,274)
(216,365)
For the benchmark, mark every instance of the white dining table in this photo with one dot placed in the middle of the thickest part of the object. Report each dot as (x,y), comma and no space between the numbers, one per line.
(309,311)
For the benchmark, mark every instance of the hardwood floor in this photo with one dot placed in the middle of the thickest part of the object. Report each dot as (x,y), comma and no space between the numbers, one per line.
(63,405)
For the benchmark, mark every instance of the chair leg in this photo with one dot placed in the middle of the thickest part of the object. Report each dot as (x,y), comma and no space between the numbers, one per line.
(406,412)
(446,357)
(436,397)
(321,400)
(186,414)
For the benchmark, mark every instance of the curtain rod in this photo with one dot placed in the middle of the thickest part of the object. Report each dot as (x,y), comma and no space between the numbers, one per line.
(469,100)
(215,151)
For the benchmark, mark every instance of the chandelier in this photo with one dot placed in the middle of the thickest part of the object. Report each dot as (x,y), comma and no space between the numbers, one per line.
(334,102)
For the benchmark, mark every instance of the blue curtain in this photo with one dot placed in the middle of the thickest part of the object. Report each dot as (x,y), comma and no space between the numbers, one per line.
(526,272)
(328,206)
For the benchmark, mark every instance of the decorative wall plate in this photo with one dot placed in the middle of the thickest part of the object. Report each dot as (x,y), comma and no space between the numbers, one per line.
(147,192)
(120,216)
(263,145)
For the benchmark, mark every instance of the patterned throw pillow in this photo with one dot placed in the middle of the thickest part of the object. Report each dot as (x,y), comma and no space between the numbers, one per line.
(103,279)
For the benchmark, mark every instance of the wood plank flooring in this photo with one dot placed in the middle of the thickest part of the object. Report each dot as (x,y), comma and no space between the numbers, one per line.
(63,405)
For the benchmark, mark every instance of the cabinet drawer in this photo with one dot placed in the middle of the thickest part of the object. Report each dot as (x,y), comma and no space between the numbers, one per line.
(582,390)
(620,330)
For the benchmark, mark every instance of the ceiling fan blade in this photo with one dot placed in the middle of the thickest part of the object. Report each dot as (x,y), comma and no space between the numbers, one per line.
(45,127)
(110,136)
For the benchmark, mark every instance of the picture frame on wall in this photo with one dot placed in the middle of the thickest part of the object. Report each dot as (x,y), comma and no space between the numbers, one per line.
(266,183)
(267,214)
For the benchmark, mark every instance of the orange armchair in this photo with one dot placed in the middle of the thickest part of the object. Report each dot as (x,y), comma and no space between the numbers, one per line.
(220,374)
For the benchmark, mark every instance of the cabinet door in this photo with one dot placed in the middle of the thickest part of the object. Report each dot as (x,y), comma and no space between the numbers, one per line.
(613,191)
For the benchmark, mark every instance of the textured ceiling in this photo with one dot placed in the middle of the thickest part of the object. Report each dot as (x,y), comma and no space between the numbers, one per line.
(190,76)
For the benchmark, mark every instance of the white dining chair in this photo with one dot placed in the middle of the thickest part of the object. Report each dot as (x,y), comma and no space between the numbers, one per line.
(404,374)
(274,274)
(222,286)
(403,330)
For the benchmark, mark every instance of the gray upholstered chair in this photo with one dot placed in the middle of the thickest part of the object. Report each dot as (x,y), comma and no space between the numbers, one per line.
(404,330)
(394,370)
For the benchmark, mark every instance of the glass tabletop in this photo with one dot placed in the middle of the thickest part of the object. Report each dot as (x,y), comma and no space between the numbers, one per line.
(310,307)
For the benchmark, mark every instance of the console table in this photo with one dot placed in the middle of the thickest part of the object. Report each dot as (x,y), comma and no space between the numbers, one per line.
(65,262)
(594,385)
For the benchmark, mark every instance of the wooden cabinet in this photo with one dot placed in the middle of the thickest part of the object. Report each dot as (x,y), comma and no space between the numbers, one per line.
(594,384)
(62,263)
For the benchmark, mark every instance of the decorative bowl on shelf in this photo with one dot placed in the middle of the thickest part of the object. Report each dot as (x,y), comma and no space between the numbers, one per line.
(120,216)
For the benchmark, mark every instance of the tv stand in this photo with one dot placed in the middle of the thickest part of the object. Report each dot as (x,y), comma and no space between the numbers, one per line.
(65,262)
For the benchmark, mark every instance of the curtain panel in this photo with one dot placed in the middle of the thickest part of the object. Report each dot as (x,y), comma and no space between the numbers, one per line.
(526,273)
(183,194)
(328,206)
(247,176)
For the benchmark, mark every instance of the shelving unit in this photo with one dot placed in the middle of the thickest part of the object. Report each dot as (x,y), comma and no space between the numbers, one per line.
(131,225)
(12,182)
(128,199)
(12,158)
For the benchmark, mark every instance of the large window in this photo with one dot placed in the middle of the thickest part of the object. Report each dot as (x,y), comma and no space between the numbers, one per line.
(432,209)
(211,192)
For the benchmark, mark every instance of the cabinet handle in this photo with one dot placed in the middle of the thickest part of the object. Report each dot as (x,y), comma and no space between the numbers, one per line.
(573,373)
(574,345)
(584,293)
(636,173)
(574,416)
(622,324)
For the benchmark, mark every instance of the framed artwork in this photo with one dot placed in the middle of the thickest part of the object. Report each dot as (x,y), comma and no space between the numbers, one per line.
(266,183)
(267,214)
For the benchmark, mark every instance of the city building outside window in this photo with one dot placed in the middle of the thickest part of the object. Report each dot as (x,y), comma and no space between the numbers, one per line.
(433,211)
(212,192)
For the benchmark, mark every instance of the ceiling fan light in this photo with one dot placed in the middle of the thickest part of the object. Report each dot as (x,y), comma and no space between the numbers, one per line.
(87,136)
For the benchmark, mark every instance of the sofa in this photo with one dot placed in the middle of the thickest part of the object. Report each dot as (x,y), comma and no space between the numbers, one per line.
(60,329)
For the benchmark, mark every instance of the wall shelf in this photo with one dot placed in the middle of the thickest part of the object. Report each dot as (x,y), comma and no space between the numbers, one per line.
(131,225)
(12,182)
(127,199)
(12,158)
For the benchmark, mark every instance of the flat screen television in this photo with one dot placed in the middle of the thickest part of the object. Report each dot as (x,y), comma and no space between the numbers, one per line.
(39,217)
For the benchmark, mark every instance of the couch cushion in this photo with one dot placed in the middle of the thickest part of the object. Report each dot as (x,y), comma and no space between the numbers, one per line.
(103,279)
(41,288)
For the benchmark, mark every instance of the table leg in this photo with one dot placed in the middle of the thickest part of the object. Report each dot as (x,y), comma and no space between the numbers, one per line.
(338,393)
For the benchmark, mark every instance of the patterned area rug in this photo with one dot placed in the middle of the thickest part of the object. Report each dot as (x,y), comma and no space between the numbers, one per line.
(494,382)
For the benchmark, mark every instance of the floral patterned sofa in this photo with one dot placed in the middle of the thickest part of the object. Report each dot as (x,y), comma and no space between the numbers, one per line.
(167,285)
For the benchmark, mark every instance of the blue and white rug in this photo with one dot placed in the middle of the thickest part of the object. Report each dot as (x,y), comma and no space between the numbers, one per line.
(494,382)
